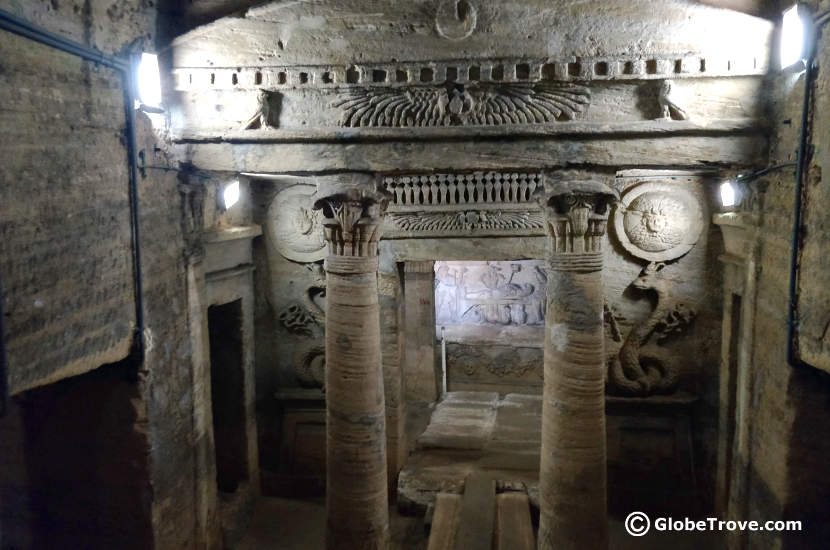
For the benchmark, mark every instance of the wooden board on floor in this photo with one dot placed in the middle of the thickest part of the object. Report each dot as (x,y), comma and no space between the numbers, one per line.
(514,530)
(477,516)
(444,521)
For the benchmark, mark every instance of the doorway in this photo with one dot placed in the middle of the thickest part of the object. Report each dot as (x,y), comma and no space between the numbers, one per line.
(227,390)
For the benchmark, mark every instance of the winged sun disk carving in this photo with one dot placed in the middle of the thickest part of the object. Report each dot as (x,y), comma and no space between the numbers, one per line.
(480,104)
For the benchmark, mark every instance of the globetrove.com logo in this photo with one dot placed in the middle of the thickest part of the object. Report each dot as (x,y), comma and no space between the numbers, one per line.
(638,524)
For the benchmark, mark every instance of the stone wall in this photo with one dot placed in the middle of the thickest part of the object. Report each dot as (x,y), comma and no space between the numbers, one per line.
(67,173)
(788,405)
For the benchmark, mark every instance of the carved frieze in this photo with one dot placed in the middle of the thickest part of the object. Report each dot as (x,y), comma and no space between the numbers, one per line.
(658,221)
(485,104)
(296,229)
(473,204)
(502,189)
(465,223)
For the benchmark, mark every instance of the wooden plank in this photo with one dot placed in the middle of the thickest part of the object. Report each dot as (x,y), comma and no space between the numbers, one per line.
(444,521)
(514,530)
(477,516)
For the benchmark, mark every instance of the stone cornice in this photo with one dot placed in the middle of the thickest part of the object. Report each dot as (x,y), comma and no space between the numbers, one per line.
(466,71)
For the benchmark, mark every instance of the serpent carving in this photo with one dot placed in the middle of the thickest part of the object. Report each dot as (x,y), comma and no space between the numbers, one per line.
(301,318)
(634,374)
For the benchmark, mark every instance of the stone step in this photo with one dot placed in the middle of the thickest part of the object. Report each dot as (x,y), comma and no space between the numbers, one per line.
(514,529)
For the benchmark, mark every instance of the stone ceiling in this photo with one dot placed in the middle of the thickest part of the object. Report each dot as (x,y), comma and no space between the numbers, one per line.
(354,31)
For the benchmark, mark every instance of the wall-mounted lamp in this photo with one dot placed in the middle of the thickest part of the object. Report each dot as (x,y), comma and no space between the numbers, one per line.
(727,193)
(796,30)
(230,194)
(732,190)
(148,83)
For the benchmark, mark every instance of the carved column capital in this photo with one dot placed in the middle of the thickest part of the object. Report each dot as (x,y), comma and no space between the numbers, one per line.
(576,217)
(353,206)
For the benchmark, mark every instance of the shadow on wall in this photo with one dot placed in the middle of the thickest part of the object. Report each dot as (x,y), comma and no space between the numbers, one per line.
(74,465)
(807,473)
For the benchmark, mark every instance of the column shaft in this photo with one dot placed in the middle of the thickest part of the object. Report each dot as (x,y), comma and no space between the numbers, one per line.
(357,503)
(356,497)
(572,477)
(572,473)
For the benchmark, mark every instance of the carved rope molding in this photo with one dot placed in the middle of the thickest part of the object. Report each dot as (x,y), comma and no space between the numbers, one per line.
(430,73)
(459,105)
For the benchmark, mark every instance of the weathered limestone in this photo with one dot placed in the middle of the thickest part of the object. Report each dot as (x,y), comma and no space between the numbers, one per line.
(572,477)
(356,485)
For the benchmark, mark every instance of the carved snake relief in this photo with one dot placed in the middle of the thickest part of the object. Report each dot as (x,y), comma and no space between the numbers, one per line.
(634,374)
(300,318)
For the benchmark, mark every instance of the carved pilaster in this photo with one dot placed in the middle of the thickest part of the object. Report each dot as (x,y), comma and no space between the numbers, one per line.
(572,474)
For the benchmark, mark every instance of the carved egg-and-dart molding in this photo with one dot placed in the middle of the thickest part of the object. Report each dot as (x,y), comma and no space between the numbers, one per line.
(297,230)
(657,221)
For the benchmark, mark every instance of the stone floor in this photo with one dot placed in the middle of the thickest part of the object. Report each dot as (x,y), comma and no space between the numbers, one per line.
(465,432)
(288,524)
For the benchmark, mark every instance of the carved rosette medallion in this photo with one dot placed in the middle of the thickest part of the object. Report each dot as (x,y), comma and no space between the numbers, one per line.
(658,221)
(297,229)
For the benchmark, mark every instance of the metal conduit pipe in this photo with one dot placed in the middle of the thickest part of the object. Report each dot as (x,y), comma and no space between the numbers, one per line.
(793,357)
(14,24)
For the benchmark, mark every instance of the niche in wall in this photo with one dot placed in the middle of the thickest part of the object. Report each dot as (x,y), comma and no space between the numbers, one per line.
(227,390)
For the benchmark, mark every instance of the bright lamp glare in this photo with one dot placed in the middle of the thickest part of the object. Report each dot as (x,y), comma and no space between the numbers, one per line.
(727,193)
(149,82)
(231,194)
(792,38)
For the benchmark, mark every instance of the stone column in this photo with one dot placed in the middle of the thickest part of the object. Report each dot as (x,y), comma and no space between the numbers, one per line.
(356,486)
(572,476)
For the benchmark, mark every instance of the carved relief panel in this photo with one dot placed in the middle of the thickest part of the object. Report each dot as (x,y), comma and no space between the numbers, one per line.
(657,223)
(490,293)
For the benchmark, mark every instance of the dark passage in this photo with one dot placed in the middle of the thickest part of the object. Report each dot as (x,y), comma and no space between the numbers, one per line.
(227,394)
